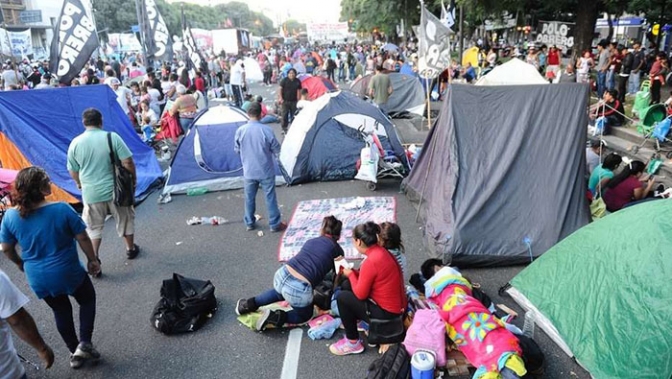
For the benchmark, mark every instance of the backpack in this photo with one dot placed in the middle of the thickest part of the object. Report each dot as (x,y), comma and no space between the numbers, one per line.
(394,364)
(427,332)
(185,305)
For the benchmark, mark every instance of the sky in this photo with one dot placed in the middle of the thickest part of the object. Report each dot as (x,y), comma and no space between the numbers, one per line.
(281,10)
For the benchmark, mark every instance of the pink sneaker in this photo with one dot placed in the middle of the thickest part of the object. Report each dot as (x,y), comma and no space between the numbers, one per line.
(345,347)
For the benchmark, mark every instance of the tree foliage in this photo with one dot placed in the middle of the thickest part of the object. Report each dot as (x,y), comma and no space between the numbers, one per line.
(294,27)
(117,16)
(383,15)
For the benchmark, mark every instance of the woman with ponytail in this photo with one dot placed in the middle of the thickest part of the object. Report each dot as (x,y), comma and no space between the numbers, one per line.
(377,289)
(627,187)
(47,233)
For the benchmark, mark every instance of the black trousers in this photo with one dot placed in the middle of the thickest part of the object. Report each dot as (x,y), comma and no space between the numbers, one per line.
(85,295)
(330,75)
(267,77)
(351,310)
(237,95)
(622,88)
(655,91)
(288,112)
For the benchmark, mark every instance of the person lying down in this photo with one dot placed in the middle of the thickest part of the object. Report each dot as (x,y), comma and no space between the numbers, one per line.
(480,336)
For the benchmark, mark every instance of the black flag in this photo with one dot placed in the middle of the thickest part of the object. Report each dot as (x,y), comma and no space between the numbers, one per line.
(75,39)
(155,31)
(194,60)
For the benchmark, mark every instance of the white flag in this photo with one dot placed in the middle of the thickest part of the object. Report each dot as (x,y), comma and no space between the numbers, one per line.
(434,49)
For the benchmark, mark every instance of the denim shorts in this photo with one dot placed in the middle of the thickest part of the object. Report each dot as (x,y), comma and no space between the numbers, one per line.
(297,292)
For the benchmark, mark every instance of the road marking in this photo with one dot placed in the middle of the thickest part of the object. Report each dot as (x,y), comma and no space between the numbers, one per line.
(290,367)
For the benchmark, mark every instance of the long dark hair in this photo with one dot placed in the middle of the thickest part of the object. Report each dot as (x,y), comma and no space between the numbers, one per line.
(390,236)
(367,233)
(28,189)
(634,168)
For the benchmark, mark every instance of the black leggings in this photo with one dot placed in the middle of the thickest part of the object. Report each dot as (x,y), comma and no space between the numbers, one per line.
(352,310)
(655,91)
(85,296)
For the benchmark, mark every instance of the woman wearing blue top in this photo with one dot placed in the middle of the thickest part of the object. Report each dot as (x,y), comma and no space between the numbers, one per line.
(47,233)
(603,173)
(294,281)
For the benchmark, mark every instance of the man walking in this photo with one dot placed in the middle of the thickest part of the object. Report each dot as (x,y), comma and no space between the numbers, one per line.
(603,62)
(237,81)
(638,62)
(13,315)
(380,88)
(290,87)
(90,166)
(257,146)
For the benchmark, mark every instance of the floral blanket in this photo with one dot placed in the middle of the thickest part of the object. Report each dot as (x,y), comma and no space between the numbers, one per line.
(480,336)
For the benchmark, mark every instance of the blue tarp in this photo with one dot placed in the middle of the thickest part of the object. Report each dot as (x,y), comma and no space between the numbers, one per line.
(41,123)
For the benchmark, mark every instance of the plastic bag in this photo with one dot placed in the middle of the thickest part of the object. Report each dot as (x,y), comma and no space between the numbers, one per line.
(368,171)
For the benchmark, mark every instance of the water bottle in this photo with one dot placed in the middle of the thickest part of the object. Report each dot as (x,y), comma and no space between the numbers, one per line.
(528,326)
(423,364)
(197,191)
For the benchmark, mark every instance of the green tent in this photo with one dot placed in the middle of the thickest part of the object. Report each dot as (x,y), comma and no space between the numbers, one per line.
(604,293)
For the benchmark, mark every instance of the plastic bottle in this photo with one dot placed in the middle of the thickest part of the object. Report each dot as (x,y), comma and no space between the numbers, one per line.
(528,326)
(214,220)
(197,191)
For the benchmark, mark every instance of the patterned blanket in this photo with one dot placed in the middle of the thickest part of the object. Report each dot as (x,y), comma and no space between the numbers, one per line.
(307,221)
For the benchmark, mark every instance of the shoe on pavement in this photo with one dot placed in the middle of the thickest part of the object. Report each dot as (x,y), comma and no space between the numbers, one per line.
(76,361)
(131,254)
(280,228)
(345,347)
(245,306)
(87,351)
(250,228)
(271,319)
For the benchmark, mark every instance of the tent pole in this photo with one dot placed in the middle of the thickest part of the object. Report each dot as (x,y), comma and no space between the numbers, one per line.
(429,108)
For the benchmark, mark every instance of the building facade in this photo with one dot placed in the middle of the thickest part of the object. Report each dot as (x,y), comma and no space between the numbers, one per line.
(30,23)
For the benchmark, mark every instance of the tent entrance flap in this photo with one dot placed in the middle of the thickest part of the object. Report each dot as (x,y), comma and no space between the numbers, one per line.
(224,166)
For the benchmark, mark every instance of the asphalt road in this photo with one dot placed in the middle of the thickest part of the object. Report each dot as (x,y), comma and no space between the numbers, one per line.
(240,264)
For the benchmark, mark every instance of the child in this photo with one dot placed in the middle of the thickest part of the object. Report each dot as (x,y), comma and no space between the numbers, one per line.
(668,104)
(304,99)
(390,239)
(147,131)
(485,341)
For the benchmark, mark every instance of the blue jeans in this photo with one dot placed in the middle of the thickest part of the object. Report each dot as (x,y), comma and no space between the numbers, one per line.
(611,79)
(185,123)
(298,294)
(601,81)
(268,186)
(633,85)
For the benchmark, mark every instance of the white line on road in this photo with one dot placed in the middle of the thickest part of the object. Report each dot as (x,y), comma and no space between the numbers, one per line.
(290,367)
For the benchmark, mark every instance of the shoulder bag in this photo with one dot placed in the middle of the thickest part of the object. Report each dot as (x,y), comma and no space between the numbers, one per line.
(124,189)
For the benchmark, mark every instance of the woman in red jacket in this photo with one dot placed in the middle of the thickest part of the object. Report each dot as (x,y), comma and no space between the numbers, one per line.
(377,289)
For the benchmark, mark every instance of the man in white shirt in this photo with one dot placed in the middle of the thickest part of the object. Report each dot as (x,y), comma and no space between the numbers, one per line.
(123,93)
(14,316)
(238,82)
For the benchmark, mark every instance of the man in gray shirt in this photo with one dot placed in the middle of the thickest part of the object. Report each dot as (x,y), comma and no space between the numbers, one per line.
(10,77)
(603,62)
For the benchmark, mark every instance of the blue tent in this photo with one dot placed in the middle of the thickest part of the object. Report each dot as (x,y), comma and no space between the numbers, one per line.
(36,128)
(324,142)
(205,157)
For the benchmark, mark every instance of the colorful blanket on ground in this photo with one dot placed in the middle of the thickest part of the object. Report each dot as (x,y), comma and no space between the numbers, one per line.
(482,337)
(307,221)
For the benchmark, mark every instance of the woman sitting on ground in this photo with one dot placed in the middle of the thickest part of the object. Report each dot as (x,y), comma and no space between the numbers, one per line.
(603,173)
(295,280)
(390,238)
(626,187)
(47,233)
(377,289)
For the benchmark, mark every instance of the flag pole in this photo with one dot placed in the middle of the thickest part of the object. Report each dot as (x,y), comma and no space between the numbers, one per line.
(429,108)
(139,13)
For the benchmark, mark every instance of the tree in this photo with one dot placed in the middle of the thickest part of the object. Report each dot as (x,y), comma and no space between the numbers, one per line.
(294,27)
(383,15)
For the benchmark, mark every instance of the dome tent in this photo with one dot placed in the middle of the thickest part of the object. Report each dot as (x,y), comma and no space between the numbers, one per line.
(205,157)
(324,141)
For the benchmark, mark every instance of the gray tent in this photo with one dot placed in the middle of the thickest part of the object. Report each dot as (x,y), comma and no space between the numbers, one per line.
(501,175)
(407,97)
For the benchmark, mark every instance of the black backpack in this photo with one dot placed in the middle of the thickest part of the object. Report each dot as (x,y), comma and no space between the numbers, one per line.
(185,305)
(394,364)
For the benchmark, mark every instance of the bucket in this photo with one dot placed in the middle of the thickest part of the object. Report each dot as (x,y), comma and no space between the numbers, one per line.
(422,365)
